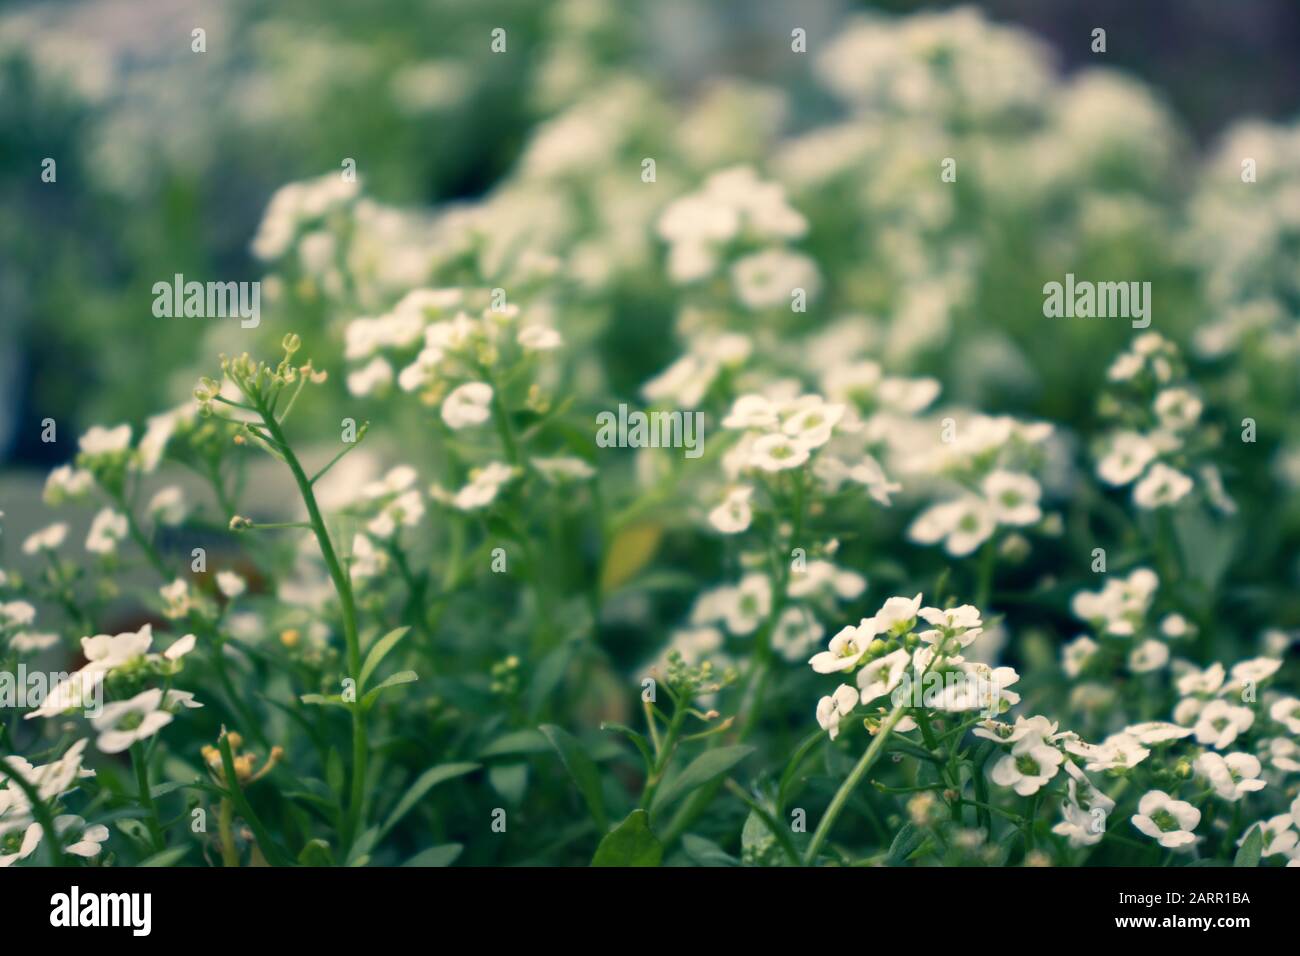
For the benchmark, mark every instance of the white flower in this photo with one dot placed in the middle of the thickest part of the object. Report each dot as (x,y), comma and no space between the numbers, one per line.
(47,539)
(27,642)
(124,722)
(230,584)
(961,623)
(107,652)
(1029,767)
(796,633)
(420,372)
(1233,776)
(176,598)
(963,525)
(1166,820)
(105,441)
(830,710)
(1084,812)
(1157,731)
(1013,497)
(897,615)
(178,649)
(1148,656)
(85,841)
(846,648)
(17,613)
(1037,726)
(14,847)
(810,420)
(66,482)
(563,468)
(367,560)
(106,530)
(371,377)
(1120,751)
(1195,681)
(405,510)
(1286,711)
(1279,837)
(869,473)
(818,577)
(734,514)
(167,506)
(1128,457)
(1219,723)
(468,404)
(158,432)
(1076,654)
(750,603)
(539,338)
(778,452)
(1175,626)
(1251,672)
(1161,486)
(484,485)
(768,279)
(1284,754)
(1177,408)
(882,675)
(751,411)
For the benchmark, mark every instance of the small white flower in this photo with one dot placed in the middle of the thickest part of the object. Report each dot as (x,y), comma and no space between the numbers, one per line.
(768,279)
(846,648)
(1161,486)
(1148,656)
(751,411)
(1286,711)
(1279,837)
(1157,732)
(107,652)
(1029,767)
(882,675)
(750,603)
(29,642)
(831,710)
(122,723)
(778,452)
(1084,812)
(539,338)
(1128,457)
(811,420)
(105,441)
(17,842)
(468,404)
(106,530)
(1177,408)
(1076,654)
(1233,776)
(17,613)
(563,468)
(1013,497)
(371,377)
(66,482)
(484,485)
(176,598)
(77,838)
(1120,751)
(897,615)
(230,584)
(796,633)
(869,473)
(1284,754)
(47,539)
(1219,723)
(1195,681)
(1168,821)
(734,514)
(167,506)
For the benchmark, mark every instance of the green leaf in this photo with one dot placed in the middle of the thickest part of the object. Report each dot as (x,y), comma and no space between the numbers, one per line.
(1250,850)
(378,651)
(629,552)
(705,767)
(443,855)
(581,768)
(167,857)
(316,853)
(516,742)
(394,680)
(320,700)
(705,852)
(906,842)
(631,843)
(426,782)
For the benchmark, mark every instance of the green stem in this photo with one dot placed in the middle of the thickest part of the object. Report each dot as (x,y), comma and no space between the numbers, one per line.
(146,798)
(841,798)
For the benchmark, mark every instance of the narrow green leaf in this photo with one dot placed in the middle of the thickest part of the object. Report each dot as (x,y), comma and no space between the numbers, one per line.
(443,855)
(378,651)
(581,768)
(394,680)
(316,853)
(631,843)
(1251,850)
(426,782)
(167,857)
(705,767)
